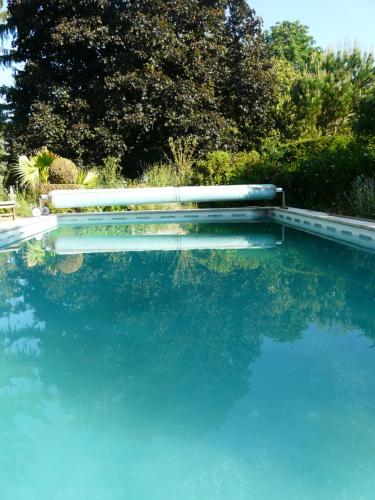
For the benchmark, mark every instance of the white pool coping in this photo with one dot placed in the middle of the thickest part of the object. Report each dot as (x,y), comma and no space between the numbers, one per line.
(348,230)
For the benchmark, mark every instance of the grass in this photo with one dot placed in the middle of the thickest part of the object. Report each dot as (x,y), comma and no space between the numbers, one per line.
(159,175)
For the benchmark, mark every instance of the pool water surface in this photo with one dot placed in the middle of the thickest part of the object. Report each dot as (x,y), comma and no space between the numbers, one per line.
(194,362)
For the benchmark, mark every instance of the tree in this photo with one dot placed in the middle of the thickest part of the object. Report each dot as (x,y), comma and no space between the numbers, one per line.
(57,100)
(329,94)
(285,110)
(248,87)
(292,41)
(365,122)
(109,77)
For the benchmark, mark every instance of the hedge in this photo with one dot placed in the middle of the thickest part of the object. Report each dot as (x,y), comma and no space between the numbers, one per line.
(316,173)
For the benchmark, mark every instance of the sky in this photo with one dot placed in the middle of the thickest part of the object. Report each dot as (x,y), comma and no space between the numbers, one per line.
(332,22)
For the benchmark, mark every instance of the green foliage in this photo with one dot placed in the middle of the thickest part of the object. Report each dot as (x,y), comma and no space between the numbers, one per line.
(223,167)
(183,151)
(110,173)
(247,84)
(26,201)
(365,121)
(34,171)
(316,172)
(291,41)
(87,178)
(285,110)
(329,94)
(63,171)
(3,192)
(160,174)
(120,78)
(362,197)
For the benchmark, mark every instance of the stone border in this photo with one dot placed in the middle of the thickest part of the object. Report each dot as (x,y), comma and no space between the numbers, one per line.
(352,231)
(355,232)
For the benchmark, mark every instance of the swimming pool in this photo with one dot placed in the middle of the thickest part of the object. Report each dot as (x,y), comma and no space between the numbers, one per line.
(187,361)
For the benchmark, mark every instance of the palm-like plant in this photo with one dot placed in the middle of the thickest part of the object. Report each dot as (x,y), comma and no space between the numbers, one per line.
(32,172)
(35,254)
(88,178)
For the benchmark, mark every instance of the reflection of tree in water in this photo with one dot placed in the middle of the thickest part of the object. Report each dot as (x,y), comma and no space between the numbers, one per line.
(174,335)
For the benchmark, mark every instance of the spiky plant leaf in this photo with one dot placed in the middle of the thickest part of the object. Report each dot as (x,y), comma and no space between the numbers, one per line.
(88,178)
(35,254)
(31,172)
(43,160)
(27,172)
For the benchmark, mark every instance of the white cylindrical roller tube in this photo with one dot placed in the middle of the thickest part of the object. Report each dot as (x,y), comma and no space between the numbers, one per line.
(82,198)
(64,245)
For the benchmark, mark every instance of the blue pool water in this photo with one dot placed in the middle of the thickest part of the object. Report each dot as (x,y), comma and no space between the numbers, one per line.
(241,371)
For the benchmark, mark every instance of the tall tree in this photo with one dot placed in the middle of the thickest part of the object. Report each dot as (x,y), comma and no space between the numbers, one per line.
(248,86)
(365,121)
(115,77)
(328,96)
(284,109)
(292,41)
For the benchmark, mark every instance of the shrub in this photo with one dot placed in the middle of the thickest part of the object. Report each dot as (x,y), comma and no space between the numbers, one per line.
(362,198)
(26,201)
(223,167)
(31,172)
(87,178)
(161,174)
(110,173)
(63,171)
(3,192)
(316,173)
(183,150)
(365,122)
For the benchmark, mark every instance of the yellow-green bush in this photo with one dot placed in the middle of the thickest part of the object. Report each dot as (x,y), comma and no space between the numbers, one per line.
(224,167)
(316,173)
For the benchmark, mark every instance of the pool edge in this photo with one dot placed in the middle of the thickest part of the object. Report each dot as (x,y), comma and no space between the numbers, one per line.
(352,231)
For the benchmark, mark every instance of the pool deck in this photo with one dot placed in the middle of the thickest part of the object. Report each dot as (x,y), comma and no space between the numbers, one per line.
(24,229)
(348,230)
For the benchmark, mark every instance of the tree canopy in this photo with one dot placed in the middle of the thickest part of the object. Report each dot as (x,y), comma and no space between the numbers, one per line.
(292,41)
(118,78)
(108,77)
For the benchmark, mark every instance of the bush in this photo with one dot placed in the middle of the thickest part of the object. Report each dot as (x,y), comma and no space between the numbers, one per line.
(26,201)
(3,192)
(110,173)
(365,122)
(316,173)
(182,157)
(161,174)
(223,167)
(362,198)
(63,171)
